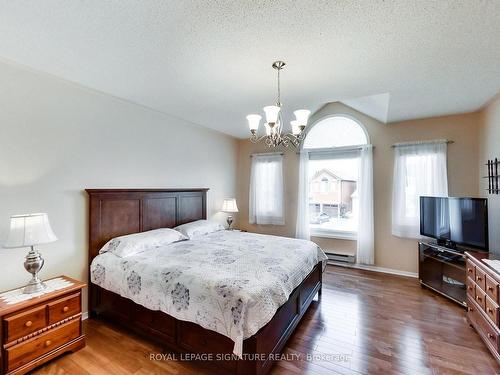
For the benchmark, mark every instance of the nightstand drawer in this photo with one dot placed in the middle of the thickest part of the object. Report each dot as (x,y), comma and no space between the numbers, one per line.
(23,323)
(24,352)
(64,308)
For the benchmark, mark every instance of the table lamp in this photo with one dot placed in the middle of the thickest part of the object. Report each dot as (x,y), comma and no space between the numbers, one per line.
(229,206)
(27,231)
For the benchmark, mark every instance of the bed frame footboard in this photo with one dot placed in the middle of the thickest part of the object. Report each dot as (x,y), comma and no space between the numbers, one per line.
(260,350)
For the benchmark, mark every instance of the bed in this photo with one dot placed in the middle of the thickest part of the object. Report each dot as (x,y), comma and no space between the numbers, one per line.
(174,323)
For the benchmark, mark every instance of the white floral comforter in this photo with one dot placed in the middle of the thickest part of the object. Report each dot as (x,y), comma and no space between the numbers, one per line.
(228,282)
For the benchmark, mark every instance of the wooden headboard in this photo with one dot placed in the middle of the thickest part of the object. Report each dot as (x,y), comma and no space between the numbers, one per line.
(116,212)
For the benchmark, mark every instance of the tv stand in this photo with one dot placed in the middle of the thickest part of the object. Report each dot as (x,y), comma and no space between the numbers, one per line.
(446,243)
(443,270)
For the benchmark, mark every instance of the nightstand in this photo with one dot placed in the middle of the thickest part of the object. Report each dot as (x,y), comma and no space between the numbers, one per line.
(38,329)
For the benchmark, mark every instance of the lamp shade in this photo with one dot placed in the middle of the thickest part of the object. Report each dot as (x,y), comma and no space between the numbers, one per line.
(302,115)
(253,121)
(29,230)
(229,205)
(272,112)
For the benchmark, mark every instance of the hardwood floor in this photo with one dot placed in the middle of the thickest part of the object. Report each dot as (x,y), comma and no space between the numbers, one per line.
(366,323)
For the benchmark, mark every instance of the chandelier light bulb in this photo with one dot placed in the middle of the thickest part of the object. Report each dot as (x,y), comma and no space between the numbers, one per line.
(295,127)
(302,115)
(253,122)
(268,129)
(272,112)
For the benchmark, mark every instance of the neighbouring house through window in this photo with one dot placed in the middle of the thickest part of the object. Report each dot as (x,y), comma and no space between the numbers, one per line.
(333,196)
(333,172)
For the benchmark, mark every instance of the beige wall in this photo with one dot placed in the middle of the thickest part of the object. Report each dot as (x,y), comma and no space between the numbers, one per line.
(390,252)
(57,139)
(489,146)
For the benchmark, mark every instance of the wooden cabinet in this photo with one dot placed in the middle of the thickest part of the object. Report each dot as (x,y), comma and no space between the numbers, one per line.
(444,271)
(35,330)
(482,300)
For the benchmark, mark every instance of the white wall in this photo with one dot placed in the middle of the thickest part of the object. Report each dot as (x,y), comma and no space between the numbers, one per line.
(489,148)
(56,139)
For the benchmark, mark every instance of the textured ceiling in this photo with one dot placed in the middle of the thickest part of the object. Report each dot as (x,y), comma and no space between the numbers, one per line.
(376,106)
(209,61)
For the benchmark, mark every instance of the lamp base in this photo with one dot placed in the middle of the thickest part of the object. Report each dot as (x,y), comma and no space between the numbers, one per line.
(34,286)
(33,264)
(229,222)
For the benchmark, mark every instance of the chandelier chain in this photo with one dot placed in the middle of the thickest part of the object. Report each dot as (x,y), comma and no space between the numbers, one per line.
(279,90)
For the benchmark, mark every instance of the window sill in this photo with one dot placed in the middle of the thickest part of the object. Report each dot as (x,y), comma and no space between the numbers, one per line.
(336,234)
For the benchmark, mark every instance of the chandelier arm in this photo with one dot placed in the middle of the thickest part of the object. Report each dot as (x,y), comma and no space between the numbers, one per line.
(255,138)
(293,139)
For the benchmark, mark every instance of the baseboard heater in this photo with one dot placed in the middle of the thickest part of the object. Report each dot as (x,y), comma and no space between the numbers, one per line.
(343,258)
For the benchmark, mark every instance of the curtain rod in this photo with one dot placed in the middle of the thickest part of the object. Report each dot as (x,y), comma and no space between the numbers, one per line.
(335,149)
(267,154)
(413,143)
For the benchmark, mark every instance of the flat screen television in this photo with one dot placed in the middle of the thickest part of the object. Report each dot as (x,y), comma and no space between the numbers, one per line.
(455,221)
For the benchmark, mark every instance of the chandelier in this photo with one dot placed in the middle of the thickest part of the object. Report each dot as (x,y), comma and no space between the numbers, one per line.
(274,122)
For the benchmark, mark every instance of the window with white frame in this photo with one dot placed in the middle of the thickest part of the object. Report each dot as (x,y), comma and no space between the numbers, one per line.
(419,170)
(266,189)
(333,170)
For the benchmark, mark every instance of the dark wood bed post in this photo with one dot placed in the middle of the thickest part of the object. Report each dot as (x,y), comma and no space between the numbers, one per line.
(116,212)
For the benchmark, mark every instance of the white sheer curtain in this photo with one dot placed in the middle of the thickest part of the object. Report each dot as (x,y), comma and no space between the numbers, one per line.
(302,229)
(365,246)
(419,170)
(266,190)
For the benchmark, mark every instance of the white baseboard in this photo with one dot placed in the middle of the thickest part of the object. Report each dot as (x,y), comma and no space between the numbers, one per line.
(85,315)
(376,269)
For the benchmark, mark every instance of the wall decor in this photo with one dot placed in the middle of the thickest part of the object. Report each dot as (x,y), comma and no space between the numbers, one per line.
(492,176)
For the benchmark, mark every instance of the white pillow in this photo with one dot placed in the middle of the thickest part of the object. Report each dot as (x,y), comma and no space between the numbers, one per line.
(136,243)
(199,228)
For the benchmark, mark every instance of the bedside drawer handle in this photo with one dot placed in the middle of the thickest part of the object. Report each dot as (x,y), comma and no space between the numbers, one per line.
(490,310)
(29,323)
(490,336)
(478,278)
(479,299)
(65,309)
(490,288)
(48,342)
(470,270)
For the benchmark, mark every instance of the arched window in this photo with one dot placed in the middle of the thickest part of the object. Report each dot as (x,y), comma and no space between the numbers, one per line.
(335,131)
(333,145)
